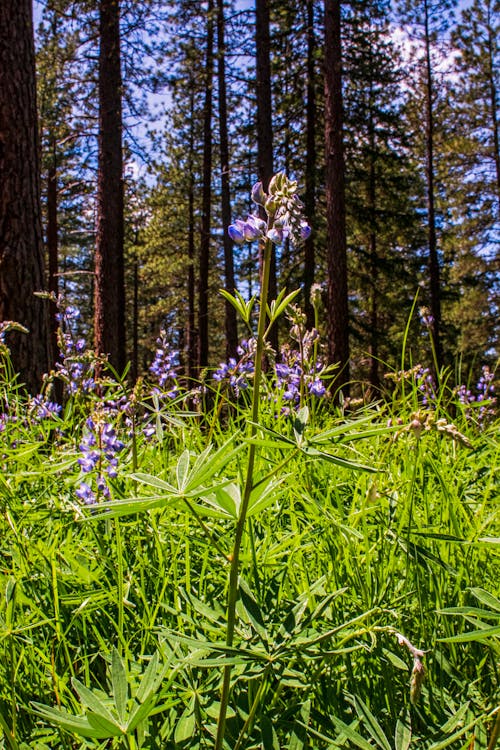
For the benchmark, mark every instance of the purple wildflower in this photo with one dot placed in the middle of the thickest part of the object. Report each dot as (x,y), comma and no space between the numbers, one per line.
(164,364)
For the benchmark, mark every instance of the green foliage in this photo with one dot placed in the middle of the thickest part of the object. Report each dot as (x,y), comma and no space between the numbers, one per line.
(112,616)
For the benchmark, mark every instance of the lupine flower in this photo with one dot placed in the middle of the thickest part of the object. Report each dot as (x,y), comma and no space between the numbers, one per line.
(317,388)
(85,493)
(305,231)
(100,447)
(44,409)
(426,317)
(426,385)
(284,210)
(164,364)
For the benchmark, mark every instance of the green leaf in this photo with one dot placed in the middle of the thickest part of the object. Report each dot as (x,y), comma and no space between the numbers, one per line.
(75,724)
(298,739)
(351,734)
(402,735)
(371,723)
(486,598)
(300,424)
(182,470)
(309,450)
(265,493)
(185,726)
(268,734)
(279,305)
(148,681)
(91,701)
(252,609)
(102,724)
(240,305)
(473,635)
(140,712)
(160,484)
(120,685)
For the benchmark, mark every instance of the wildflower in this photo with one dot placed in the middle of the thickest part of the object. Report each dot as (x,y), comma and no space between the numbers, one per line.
(85,493)
(317,388)
(163,367)
(284,211)
(44,409)
(100,447)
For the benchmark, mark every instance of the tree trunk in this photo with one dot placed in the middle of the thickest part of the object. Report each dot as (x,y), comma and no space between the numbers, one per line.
(21,240)
(337,292)
(311,166)
(231,325)
(53,246)
(206,200)
(192,336)
(265,130)
(109,320)
(434,271)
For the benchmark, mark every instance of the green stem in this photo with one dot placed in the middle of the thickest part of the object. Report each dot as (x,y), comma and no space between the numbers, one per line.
(120,589)
(240,526)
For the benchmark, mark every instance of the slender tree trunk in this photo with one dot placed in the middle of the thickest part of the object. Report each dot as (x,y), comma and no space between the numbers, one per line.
(337,292)
(265,129)
(192,334)
(311,165)
(109,321)
(434,271)
(373,249)
(53,246)
(21,240)
(135,318)
(494,108)
(206,200)
(231,325)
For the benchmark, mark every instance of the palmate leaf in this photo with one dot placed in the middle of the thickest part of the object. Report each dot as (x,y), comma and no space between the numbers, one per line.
(240,305)
(79,725)
(91,701)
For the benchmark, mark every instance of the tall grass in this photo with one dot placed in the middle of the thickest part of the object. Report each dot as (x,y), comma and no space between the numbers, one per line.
(334,564)
(251,574)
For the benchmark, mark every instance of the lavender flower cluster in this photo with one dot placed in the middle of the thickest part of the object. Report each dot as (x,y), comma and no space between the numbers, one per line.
(100,447)
(284,210)
(237,373)
(77,365)
(165,363)
(485,396)
(288,375)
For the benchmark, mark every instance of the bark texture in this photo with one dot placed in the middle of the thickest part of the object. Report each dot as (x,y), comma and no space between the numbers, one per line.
(231,326)
(337,290)
(109,320)
(206,198)
(265,131)
(21,240)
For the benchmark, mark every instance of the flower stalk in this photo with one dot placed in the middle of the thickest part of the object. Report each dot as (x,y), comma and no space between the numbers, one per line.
(240,526)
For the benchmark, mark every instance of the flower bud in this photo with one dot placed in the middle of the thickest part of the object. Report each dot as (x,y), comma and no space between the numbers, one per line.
(251,230)
(278,181)
(236,233)
(276,236)
(305,230)
(271,205)
(258,194)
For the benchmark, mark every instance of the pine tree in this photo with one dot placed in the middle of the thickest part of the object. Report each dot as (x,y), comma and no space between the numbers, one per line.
(109,312)
(428,21)
(21,241)
(230,321)
(336,247)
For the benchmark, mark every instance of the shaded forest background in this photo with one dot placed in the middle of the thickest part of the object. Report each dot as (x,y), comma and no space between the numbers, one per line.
(156,119)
